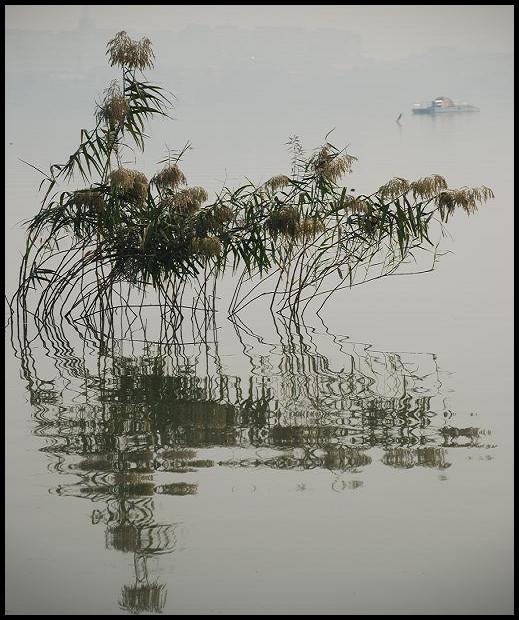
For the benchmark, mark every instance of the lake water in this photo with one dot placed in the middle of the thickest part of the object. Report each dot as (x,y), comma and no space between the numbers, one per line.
(358,464)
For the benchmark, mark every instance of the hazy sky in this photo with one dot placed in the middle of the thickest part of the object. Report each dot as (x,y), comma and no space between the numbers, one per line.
(388,32)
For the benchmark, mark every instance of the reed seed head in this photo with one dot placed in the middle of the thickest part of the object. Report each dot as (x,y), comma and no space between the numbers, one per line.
(311,227)
(125,52)
(394,188)
(223,214)
(357,205)
(277,182)
(121,178)
(114,108)
(428,187)
(353,204)
(131,181)
(332,165)
(90,200)
(284,221)
(140,190)
(186,201)
(191,198)
(209,247)
(467,198)
(169,177)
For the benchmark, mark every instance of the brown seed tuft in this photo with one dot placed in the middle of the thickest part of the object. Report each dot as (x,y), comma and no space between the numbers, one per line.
(428,187)
(352,204)
(467,198)
(209,247)
(311,227)
(277,182)
(169,177)
(331,165)
(125,52)
(284,221)
(187,201)
(89,199)
(223,214)
(114,108)
(394,188)
(132,182)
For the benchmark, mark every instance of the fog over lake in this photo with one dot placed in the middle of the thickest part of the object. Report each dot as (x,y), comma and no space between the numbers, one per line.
(359,462)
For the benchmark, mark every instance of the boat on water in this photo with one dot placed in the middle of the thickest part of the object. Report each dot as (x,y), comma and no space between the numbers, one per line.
(440,105)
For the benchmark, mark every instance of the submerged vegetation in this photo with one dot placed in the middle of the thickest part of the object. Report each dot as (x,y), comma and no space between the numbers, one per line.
(296,238)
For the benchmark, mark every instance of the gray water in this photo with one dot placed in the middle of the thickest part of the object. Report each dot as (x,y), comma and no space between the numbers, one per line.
(358,464)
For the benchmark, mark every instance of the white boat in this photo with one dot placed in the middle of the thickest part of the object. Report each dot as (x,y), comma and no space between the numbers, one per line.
(440,105)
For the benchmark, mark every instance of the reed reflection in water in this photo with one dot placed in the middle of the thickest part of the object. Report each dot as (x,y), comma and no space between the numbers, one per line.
(122,428)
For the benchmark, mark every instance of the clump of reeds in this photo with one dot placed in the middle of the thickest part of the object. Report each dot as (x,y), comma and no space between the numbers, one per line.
(162,232)
(401,458)
(178,488)
(432,456)
(128,53)
(284,221)
(122,537)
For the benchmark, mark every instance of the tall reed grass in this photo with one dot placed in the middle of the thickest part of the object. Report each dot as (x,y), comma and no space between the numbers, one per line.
(298,238)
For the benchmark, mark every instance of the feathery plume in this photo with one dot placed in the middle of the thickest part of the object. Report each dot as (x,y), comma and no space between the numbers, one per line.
(131,181)
(467,198)
(393,189)
(277,182)
(125,52)
(311,227)
(331,165)
(208,247)
(169,177)
(428,187)
(186,201)
(114,108)
(284,221)
(90,200)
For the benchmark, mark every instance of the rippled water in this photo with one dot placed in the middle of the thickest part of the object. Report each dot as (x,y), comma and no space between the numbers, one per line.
(301,464)
(358,465)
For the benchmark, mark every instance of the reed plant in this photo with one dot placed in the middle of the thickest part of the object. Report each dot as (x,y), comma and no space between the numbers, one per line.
(298,238)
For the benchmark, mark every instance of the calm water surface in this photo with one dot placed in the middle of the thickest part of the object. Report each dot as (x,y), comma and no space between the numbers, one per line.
(358,465)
